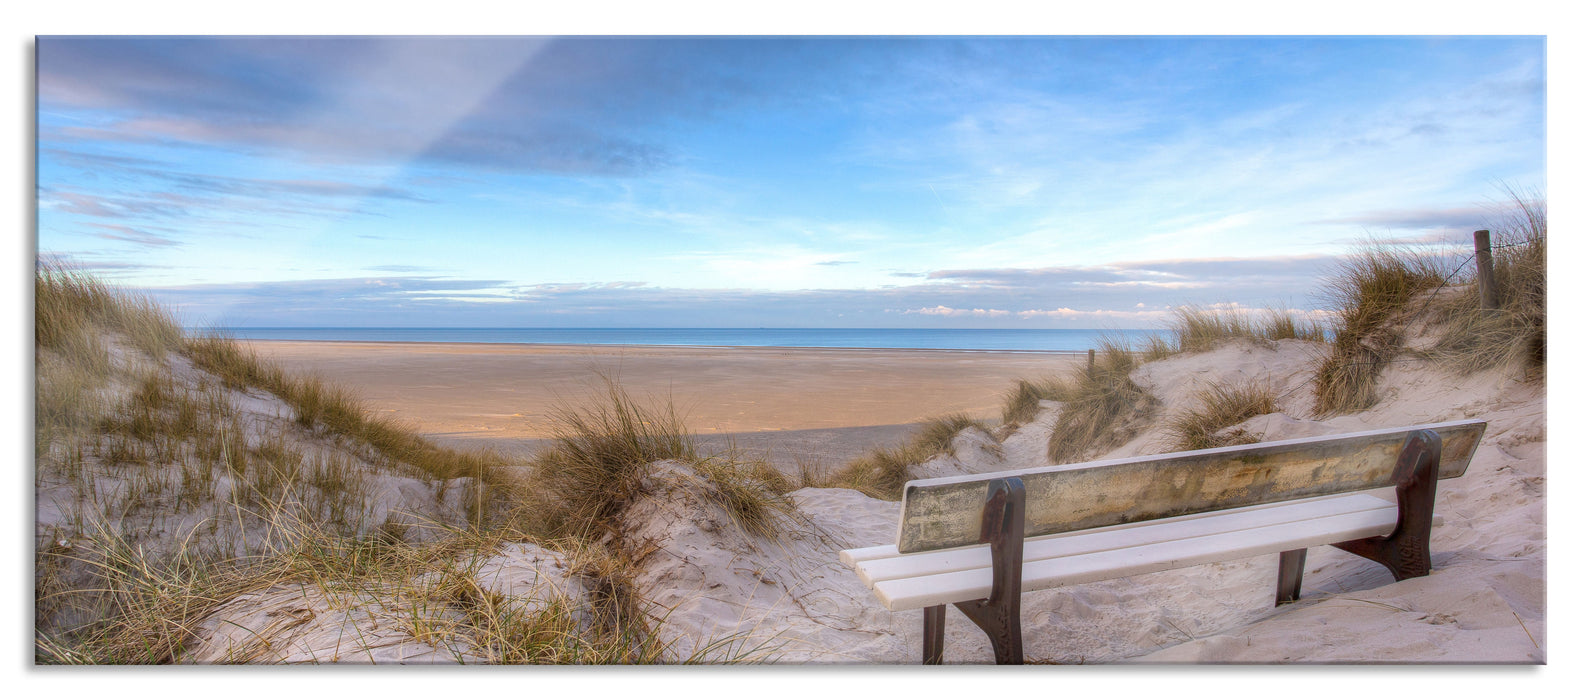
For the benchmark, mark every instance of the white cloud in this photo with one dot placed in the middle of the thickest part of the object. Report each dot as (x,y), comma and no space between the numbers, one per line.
(947,311)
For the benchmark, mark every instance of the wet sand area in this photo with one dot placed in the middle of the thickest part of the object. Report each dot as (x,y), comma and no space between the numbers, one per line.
(815,405)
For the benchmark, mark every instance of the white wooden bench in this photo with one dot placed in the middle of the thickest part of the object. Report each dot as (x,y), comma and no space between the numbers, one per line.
(961,538)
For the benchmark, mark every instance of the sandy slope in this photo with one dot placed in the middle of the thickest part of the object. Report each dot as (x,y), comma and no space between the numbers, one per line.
(725,594)
(1483,603)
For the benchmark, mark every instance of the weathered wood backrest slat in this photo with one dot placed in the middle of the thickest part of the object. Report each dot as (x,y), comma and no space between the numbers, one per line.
(947,512)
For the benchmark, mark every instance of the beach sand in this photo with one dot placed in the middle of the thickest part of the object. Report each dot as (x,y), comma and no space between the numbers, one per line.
(786,598)
(814,405)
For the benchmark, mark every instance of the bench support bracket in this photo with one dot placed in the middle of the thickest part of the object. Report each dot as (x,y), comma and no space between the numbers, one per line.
(999,615)
(1405,551)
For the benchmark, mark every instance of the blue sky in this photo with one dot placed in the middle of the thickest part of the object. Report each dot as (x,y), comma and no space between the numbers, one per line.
(1078,182)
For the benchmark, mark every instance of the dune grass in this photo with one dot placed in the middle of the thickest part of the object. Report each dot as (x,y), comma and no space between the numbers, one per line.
(1197,329)
(73,363)
(606,446)
(1371,292)
(1284,325)
(1156,347)
(883,471)
(166,495)
(1021,402)
(142,448)
(152,605)
(595,467)
(1103,408)
(320,405)
(752,492)
(603,451)
(1513,335)
(1219,406)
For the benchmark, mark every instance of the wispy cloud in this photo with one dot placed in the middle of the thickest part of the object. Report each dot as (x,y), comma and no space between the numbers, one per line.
(1136,293)
(132,235)
(1422,218)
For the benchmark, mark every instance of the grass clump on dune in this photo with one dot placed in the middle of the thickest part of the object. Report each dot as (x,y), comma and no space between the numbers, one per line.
(1021,403)
(1103,407)
(1283,325)
(1219,406)
(1197,329)
(1371,293)
(73,312)
(883,472)
(68,305)
(752,493)
(603,450)
(596,467)
(1513,335)
(600,455)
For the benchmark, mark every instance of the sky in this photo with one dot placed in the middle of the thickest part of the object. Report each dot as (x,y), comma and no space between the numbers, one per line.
(1022,182)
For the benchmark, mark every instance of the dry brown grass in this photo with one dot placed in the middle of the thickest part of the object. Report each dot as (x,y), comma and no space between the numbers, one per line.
(601,452)
(1372,293)
(1197,329)
(169,498)
(1103,408)
(752,492)
(883,471)
(1219,406)
(1283,325)
(1155,348)
(1021,403)
(606,446)
(320,405)
(1512,336)
(150,606)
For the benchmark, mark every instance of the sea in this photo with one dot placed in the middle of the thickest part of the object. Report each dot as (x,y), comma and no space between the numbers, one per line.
(958,339)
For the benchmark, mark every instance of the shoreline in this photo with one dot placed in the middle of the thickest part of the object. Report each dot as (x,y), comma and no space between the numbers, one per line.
(647,346)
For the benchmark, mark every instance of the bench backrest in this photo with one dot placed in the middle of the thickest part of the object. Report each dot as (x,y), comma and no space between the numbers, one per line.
(948,511)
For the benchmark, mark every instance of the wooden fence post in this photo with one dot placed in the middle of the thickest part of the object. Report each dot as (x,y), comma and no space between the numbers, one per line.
(1486,296)
(1090,362)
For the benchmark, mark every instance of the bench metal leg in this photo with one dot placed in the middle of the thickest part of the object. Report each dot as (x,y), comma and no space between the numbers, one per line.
(1288,585)
(1405,551)
(934,634)
(1000,615)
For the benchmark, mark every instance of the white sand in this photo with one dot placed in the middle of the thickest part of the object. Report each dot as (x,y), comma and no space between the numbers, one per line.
(1483,603)
(724,594)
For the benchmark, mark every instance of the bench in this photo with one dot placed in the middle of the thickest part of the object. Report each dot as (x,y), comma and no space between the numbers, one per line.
(978,541)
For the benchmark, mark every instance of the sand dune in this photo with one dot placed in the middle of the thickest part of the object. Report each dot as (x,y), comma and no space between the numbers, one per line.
(791,600)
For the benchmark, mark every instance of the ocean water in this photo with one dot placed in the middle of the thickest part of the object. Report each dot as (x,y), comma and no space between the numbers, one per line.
(1020,340)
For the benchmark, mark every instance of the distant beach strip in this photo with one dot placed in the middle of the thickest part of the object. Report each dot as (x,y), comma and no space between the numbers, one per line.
(1058,341)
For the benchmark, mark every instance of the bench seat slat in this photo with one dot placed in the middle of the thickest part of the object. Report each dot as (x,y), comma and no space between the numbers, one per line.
(970,584)
(1115,537)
